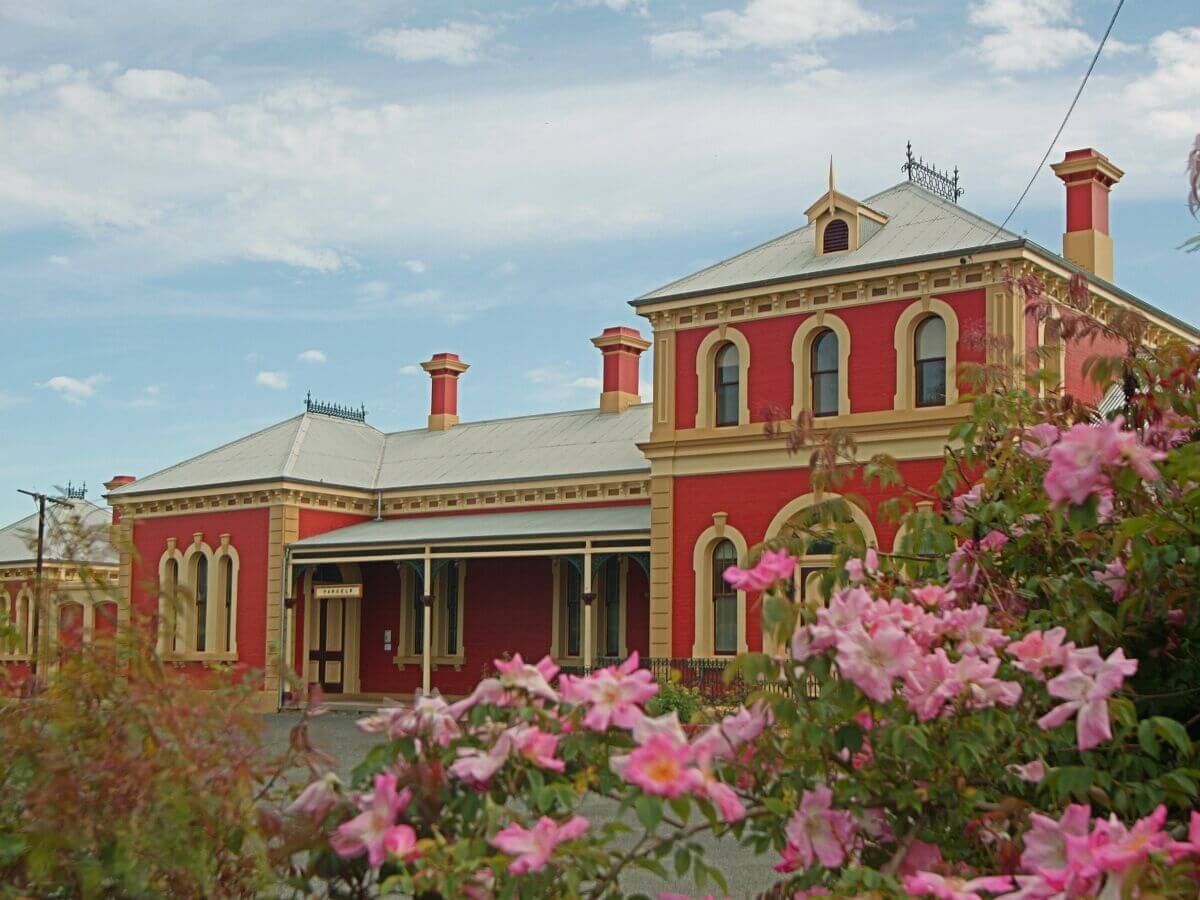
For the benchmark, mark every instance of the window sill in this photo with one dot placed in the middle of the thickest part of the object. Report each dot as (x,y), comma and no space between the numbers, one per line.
(455,662)
(201,657)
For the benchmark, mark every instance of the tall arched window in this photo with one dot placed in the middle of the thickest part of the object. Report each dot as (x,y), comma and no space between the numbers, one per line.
(930,360)
(170,589)
(725,601)
(227,579)
(824,365)
(725,377)
(201,611)
(837,236)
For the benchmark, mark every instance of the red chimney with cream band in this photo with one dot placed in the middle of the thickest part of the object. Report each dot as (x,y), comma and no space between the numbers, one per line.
(622,348)
(444,369)
(1089,176)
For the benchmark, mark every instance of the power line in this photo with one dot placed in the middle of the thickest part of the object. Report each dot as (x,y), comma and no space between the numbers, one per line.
(1063,124)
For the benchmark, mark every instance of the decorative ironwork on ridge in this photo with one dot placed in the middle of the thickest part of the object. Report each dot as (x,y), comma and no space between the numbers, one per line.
(926,175)
(336,410)
(76,493)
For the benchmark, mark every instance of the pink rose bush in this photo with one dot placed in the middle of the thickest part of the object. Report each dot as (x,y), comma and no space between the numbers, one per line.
(1008,718)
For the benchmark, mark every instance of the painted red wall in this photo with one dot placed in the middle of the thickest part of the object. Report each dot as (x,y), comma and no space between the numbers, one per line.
(872,355)
(249,533)
(1078,353)
(752,500)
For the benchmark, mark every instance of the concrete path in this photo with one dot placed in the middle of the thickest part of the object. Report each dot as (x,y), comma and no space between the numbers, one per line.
(748,875)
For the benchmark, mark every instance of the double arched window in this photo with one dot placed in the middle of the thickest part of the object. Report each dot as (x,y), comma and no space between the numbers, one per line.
(726,377)
(824,377)
(929,355)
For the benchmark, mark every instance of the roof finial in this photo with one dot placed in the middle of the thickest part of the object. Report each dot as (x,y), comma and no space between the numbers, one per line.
(832,189)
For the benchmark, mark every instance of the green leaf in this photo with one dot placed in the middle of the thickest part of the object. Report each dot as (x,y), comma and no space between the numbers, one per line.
(1146,737)
(683,859)
(849,737)
(1173,733)
(682,807)
(1104,621)
(652,865)
(649,811)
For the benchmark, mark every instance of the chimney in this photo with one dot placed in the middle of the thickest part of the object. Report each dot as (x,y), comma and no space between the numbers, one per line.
(111,485)
(1088,176)
(444,369)
(622,348)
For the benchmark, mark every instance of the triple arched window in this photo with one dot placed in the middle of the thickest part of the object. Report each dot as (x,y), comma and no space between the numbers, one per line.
(198,591)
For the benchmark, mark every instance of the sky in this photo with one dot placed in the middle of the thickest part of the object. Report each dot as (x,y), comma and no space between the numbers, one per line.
(208,209)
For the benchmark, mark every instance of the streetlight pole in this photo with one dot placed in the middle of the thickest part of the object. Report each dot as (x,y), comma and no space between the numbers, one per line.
(40,622)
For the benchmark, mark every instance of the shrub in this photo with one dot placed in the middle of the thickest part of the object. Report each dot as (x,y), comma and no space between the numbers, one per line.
(123,778)
(674,697)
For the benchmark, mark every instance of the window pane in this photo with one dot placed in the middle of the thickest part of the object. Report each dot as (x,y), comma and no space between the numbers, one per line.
(931,339)
(227,562)
(201,602)
(726,377)
(825,394)
(725,630)
(825,352)
(612,608)
(931,382)
(452,608)
(724,556)
(574,612)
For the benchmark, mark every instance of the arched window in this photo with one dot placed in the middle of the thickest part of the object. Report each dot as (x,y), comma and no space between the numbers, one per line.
(837,236)
(725,378)
(227,580)
(824,364)
(725,600)
(930,360)
(200,586)
(171,611)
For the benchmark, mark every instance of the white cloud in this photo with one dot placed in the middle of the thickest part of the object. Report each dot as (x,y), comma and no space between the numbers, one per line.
(1170,93)
(381,298)
(771,25)
(14,83)
(1032,35)
(411,370)
(162,85)
(58,260)
(615,5)
(314,357)
(456,43)
(75,390)
(416,266)
(8,401)
(558,382)
(276,381)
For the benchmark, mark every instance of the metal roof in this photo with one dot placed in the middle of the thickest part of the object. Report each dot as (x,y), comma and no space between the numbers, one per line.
(602,520)
(919,224)
(18,540)
(319,449)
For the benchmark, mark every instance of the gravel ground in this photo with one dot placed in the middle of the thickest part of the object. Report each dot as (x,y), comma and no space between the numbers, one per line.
(748,875)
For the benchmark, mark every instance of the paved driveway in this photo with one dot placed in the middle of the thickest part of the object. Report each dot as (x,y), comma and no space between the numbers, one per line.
(748,875)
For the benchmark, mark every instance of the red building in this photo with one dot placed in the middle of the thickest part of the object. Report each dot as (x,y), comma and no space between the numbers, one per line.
(376,563)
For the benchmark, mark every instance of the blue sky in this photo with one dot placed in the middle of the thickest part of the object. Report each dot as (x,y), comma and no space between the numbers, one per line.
(208,208)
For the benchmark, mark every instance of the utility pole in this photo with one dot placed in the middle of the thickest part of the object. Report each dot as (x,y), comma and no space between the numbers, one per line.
(40,621)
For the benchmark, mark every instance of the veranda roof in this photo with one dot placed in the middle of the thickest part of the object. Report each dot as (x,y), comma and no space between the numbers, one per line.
(545,523)
(18,540)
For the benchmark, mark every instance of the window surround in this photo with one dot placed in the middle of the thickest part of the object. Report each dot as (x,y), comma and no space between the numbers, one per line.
(226,551)
(905,337)
(19,608)
(410,600)
(704,628)
(802,342)
(706,356)
(789,511)
(182,647)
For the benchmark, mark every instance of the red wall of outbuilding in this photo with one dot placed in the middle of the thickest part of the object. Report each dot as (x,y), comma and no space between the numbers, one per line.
(872,355)
(752,499)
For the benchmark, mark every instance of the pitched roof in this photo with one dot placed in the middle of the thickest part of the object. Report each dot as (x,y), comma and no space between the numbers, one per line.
(481,526)
(318,449)
(919,224)
(17,540)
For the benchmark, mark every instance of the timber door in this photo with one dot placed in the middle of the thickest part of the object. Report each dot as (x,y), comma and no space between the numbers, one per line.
(327,656)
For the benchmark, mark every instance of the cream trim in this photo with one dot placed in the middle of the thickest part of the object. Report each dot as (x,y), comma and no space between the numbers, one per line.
(168,598)
(792,508)
(706,354)
(187,636)
(702,553)
(22,610)
(227,551)
(1052,355)
(906,326)
(802,342)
